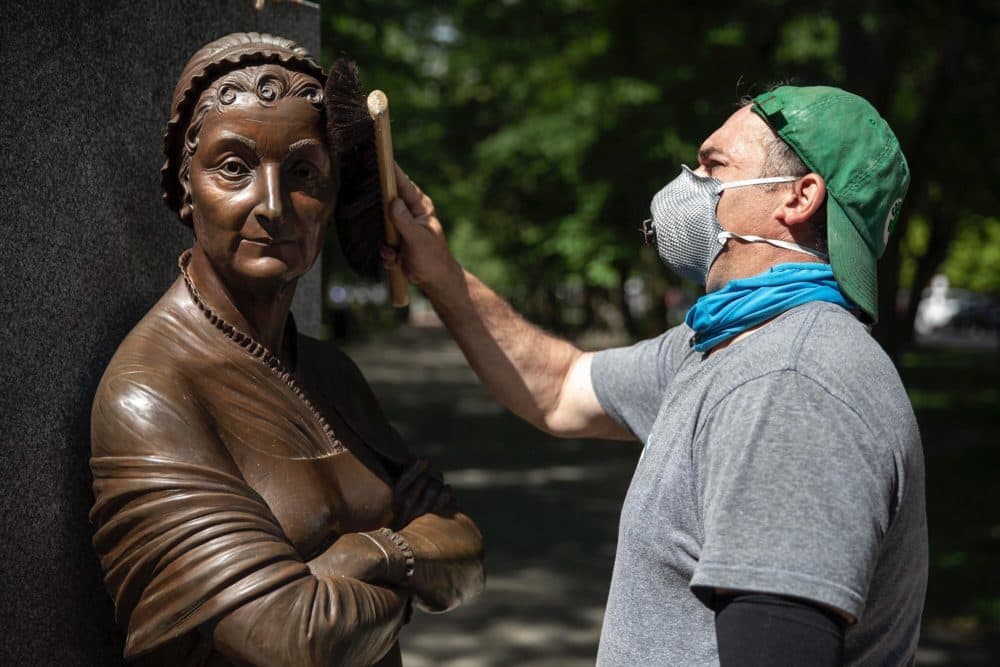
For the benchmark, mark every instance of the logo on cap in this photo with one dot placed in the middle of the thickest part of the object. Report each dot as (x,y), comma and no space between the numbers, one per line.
(890,220)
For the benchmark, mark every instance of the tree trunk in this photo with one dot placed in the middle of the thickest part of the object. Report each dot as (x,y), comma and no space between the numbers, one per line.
(872,65)
(950,65)
(890,332)
(887,330)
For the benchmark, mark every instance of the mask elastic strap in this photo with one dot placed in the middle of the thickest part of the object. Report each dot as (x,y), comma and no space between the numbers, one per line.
(756,181)
(787,245)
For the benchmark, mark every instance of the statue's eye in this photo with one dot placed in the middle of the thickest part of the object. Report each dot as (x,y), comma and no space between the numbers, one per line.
(234,168)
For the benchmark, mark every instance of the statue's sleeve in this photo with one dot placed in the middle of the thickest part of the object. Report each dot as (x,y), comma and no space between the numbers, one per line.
(447,544)
(186,544)
(449,564)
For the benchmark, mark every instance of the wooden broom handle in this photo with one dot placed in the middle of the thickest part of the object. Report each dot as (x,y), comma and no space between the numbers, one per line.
(378,108)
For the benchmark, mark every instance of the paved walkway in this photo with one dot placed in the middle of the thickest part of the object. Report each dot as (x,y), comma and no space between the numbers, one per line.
(548,508)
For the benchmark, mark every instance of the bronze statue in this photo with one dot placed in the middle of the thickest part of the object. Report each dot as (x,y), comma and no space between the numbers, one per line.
(253,505)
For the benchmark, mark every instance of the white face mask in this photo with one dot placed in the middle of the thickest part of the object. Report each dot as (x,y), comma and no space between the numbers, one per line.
(687,231)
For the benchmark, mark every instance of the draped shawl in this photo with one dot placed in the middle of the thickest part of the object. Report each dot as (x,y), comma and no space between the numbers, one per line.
(186,409)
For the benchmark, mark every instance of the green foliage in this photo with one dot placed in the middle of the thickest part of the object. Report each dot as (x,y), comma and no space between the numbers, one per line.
(912,247)
(811,37)
(954,397)
(974,260)
(542,129)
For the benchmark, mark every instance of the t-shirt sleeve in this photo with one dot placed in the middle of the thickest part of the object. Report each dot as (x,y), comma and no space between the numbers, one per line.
(795,492)
(629,381)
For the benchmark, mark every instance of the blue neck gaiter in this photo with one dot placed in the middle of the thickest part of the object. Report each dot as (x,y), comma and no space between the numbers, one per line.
(744,303)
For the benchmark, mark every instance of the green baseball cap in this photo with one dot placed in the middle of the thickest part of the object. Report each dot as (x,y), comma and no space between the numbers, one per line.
(841,137)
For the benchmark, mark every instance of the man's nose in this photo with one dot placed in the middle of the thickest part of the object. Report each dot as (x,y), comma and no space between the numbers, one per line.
(268,209)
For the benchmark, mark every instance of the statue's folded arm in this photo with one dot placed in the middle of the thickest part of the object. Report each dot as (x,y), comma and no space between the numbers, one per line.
(447,543)
(449,559)
(186,544)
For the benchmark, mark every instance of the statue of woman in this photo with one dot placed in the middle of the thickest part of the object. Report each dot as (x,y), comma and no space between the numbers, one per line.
(253,505)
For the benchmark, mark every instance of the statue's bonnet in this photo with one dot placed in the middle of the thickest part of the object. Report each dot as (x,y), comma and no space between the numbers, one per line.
(232,52)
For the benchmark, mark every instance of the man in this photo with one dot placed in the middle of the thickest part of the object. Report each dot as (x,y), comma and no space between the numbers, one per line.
(776,515)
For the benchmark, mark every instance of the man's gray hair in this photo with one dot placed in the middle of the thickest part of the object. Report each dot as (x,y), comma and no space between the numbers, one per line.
(782,160)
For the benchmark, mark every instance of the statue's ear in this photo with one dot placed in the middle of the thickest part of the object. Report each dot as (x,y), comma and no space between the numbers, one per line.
(351,136)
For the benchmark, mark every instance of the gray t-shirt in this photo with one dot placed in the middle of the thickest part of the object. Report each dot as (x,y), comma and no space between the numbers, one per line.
(787,463)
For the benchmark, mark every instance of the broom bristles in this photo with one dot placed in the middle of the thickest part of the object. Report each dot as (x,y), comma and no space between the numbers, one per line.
(358,215)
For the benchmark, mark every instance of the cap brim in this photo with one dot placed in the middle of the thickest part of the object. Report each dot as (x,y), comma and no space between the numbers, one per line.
(852,261)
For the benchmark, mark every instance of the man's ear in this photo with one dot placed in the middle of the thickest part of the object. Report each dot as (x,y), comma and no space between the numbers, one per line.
(806,196)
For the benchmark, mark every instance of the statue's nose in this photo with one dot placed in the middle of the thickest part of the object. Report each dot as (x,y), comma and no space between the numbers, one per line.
(268,210)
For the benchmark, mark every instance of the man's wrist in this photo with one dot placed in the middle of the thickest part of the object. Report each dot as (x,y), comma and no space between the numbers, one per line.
(449,294)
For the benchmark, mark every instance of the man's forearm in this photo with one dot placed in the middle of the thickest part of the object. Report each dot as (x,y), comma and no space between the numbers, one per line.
(521,365)
(538,377)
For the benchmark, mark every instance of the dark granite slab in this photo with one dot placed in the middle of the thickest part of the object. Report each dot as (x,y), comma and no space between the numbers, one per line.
(86,247)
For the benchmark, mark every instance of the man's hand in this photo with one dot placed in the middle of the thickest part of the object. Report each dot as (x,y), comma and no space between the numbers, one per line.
(425,256)
(540,378)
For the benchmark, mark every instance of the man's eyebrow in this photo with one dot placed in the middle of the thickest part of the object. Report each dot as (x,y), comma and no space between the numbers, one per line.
(304,143)
(705,154)
(246,141)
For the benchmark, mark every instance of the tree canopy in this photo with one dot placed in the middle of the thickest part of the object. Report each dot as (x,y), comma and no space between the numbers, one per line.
(542,129)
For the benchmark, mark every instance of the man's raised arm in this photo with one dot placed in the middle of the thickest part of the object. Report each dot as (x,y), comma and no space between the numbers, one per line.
(542,379)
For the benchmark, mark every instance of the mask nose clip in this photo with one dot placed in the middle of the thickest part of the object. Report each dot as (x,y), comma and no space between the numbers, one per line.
(648,232)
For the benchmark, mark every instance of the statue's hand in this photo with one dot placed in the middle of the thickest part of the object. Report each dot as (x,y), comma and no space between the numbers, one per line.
(365,556)
(418,491)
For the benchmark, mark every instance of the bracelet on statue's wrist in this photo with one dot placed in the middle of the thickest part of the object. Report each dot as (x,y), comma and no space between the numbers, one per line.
(404,547)
(385,554)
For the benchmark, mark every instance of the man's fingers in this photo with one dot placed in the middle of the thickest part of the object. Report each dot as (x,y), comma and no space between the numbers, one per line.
(401,217)
(418,203)
(409,226)
(406,188)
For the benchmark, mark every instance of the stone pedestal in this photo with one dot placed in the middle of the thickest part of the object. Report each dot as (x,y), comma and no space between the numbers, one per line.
(86,247)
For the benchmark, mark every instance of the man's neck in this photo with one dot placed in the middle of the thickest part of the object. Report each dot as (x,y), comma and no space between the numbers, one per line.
(744,261)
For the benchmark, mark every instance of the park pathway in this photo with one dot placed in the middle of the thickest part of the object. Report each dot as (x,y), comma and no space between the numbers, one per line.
(548,509)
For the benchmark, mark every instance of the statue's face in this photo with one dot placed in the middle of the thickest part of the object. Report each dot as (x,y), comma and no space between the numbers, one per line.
(262,190)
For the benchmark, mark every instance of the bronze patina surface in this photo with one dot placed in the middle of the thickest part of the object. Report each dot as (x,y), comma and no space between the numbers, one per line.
(253,504)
